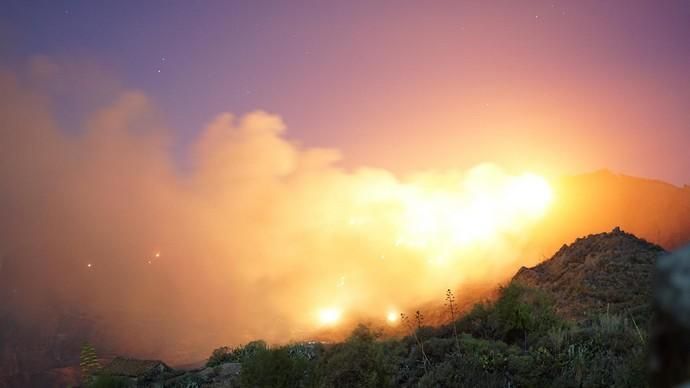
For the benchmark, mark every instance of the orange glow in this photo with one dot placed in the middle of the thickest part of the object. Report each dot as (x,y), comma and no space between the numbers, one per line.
(392,317)
(435,227)
(442,220)
(330,316)
(283,230)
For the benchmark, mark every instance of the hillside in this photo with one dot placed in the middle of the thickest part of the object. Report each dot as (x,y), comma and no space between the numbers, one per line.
(533,334)
(598,273)
(653,210)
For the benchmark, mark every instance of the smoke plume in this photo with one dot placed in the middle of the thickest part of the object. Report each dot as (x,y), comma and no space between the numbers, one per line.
(255,237)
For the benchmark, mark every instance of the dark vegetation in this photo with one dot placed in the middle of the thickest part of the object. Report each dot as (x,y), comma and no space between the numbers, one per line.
(536,333)
(579,319)
(516,341)
(601,273)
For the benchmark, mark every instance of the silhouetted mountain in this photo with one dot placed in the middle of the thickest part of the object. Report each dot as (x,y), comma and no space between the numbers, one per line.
(650,209)
(602,272)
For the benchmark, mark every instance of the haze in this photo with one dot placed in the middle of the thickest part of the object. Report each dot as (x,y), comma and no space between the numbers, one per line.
(193,177)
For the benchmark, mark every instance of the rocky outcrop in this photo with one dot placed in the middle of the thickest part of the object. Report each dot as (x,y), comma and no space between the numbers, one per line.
(601,272)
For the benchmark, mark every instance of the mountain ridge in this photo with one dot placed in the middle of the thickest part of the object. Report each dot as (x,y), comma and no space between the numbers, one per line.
(605,272)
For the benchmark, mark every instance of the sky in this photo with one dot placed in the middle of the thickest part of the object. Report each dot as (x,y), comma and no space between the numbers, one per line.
(549,86)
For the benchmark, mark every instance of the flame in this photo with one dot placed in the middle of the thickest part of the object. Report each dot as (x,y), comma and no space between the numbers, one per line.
(330,316)
(445,221)
(392,317)
(442,222)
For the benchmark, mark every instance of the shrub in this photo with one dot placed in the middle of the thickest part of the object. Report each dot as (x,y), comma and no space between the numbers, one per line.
(360,361)
(274,368)
(518,340)
(219,356)
(462,371)
(520,312)
(106,381)
(226,354)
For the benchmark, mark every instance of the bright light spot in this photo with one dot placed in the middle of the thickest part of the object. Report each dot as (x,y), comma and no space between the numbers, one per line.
(88,265)
(443,220)
(158,254)
(531,193)
(330,316)
(392,317)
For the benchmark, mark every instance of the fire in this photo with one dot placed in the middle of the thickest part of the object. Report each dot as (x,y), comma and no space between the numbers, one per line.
(330,316)
(441,221)
(392,317)
(436,229)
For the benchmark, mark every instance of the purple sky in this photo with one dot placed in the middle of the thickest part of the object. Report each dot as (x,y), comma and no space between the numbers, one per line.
(546,85)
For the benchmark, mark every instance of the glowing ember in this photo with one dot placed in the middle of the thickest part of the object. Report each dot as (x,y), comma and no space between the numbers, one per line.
(329,316)
(392,317)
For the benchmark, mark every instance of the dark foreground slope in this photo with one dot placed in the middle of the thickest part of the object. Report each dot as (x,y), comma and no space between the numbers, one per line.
(603,272)
(532,335)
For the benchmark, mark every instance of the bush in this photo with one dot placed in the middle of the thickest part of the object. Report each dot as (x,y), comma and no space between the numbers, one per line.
(360,361)
(274,368)
(219,356)
(516,341)
(225,354)
(521,312)
(106,381)
(462,371)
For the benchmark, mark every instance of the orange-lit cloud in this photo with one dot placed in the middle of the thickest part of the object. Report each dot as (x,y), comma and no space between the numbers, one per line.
(262,237)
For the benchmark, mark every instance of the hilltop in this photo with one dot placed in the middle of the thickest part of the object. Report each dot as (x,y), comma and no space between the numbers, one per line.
(598,273)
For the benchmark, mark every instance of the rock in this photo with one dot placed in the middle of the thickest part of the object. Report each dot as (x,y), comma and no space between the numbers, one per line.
(670,344)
